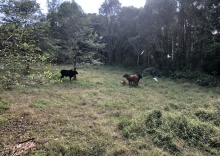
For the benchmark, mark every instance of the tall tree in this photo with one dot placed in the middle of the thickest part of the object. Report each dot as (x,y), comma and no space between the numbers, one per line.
(72,35)
(67,25)
(53,5)
(18,39)
(110,9)
(156,23)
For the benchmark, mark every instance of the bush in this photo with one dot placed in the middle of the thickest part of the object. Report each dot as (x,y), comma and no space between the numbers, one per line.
(197,77)
(133,129)
(41,78)
(164,140)
(194,134)
(207,80)
(165,131)
(154,120)
(206,116)
(190,75)
(211,61)
(9,79)
(151,72)
(123,124)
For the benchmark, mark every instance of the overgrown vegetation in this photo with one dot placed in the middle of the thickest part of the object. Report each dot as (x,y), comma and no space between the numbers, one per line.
(197,77)
(156,38)
(82,117)
(96,115)
(166,132)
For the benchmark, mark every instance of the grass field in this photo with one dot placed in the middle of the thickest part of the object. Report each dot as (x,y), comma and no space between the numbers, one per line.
(97,116)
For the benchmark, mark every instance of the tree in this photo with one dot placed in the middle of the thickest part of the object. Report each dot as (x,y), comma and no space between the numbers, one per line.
(156,26)
(196,20)
(18,40)
(53,5)
(67,26)
(19,11)
(72,34)
(110,9)
(129,45)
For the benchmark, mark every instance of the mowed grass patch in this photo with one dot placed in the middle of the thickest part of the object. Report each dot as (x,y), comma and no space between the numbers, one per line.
(96,115)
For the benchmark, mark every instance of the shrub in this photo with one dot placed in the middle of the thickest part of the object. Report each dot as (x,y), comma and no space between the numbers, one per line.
(123,124)
(211,61)
(199,78)
(151,72)
(206,116)
(9,79)
(45,77)
(190,75)
(163,139)
(194,134)
(164,131)
(133,129)
(207,80)
(154,120)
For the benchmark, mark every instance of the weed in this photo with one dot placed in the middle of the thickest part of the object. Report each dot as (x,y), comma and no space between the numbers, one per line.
(164,131)
(154,120)
(40,104)
(123,124)
(164,140)
(2,120)
(174,106)
(4,105)
(208,116)
(194,134)
(95,148)
(135,129)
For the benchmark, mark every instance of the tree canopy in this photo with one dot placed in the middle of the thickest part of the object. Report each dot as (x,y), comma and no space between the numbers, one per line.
(168,35)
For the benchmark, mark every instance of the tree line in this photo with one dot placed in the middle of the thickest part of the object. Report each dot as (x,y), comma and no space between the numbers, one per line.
(174,34)
(168,35)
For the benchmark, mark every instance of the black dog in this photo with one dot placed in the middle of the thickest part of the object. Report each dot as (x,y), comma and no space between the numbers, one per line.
(69,73)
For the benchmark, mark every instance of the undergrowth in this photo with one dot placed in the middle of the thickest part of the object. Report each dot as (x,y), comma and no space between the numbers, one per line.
(164,131)
(196,77)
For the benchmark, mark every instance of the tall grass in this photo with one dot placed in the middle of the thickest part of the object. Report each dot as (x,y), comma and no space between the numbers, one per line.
(96,115)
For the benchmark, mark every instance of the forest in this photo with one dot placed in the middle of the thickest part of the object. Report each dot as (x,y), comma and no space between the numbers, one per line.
(174,38)
(172,109)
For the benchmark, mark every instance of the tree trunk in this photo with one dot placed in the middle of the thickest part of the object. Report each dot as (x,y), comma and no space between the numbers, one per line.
(148,59)
(182,36)
(110,51)
(138,59)
(74,62)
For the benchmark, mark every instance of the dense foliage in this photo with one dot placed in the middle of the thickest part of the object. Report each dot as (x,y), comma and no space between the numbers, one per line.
(19,37)
(167,35)
(174,35)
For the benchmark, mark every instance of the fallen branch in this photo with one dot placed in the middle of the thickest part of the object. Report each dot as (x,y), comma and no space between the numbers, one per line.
(18,149)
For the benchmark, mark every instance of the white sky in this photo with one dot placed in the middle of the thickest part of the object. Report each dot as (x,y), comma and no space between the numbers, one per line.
(92,6)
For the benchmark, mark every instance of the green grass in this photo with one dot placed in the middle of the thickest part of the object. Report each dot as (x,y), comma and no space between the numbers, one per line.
(4,105)
(96,115)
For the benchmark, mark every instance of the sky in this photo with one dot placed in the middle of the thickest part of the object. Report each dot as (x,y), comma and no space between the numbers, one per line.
(92,6)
